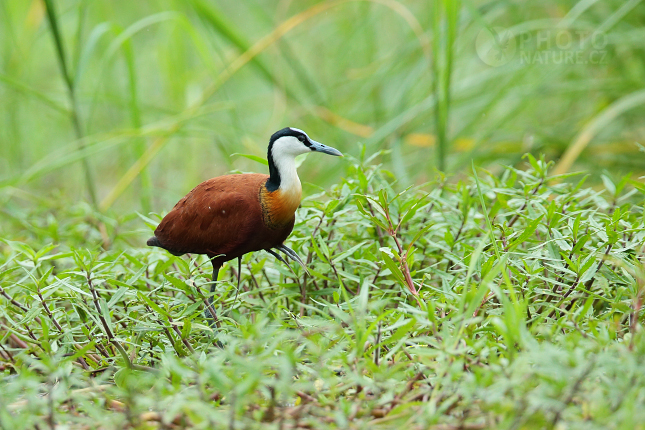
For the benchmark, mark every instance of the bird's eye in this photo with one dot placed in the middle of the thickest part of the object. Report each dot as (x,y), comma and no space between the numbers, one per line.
(301,138)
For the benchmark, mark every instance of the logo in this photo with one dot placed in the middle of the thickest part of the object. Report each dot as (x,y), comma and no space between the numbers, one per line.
(495,46)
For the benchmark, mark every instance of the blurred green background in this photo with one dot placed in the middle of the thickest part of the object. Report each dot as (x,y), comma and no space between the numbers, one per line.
(130,104)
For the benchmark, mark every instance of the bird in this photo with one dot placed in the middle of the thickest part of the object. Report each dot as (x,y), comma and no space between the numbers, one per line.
(228,216)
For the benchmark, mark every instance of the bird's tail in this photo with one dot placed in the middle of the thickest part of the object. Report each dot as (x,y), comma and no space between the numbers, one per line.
(154,241)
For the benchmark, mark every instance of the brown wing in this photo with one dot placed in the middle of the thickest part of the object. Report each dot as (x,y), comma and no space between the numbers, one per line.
(219,216)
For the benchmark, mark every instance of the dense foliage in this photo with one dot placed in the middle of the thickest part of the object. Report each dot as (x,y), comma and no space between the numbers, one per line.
(528,313)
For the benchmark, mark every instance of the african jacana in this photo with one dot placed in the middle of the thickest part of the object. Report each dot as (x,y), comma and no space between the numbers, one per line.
(229,216)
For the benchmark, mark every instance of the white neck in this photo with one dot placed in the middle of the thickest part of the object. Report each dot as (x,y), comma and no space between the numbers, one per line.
(289,180)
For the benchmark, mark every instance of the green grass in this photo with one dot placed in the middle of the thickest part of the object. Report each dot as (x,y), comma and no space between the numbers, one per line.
(528,313)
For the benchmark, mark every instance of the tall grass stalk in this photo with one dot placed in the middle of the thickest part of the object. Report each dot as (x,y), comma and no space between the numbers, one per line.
(69,82)
(312,66)
(135,115)
(445,21)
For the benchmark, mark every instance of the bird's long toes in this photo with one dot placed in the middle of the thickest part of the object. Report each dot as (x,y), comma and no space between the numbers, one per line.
(279,257)
(294,256)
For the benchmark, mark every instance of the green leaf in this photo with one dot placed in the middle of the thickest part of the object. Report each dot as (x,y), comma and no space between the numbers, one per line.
(185,331)
(176,282)
(413,210)
(81,352)
(401,332)
(609,185)
(152,304)
(533,162)
(105,312)
(44,251)
(343,255)
(394,268)
(528,232)
(260,160)
(116,297)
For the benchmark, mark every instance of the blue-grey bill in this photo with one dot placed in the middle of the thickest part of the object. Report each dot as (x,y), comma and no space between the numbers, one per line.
(319,147)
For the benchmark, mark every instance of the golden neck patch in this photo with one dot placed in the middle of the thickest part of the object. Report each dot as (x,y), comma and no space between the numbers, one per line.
(279,206)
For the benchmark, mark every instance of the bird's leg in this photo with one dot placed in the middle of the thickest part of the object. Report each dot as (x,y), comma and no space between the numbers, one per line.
(209,313)
(239,277)
(293,255)
(214,278)
(279,257)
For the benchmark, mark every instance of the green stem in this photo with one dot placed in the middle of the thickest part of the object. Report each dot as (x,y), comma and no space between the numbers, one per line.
(69,82)
(445,22)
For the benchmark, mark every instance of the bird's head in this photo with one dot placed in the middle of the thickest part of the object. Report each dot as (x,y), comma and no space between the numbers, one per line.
(285,145)
(291,142)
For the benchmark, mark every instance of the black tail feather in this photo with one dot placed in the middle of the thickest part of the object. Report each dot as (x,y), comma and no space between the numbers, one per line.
(153,241)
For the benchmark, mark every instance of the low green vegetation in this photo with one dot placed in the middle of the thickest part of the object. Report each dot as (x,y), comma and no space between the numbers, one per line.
(528,313)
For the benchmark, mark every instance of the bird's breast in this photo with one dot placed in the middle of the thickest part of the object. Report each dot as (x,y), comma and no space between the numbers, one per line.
(279,206)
